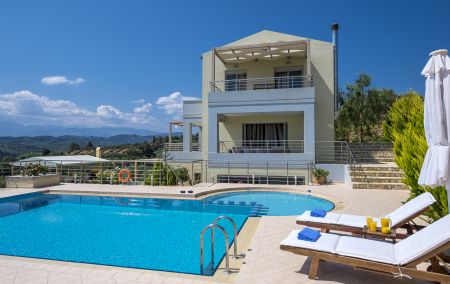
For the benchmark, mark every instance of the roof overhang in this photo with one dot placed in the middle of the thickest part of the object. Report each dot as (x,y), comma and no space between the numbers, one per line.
(262,51)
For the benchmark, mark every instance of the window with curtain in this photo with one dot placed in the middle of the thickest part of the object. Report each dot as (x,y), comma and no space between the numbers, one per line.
(264,131)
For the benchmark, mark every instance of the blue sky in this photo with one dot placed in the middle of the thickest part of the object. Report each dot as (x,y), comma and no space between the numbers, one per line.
(108,54)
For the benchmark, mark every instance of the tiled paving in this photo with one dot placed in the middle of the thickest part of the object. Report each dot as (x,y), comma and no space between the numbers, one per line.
(265,262)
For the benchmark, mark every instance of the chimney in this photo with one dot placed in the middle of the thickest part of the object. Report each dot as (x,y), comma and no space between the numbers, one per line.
(334,29)
(98,152)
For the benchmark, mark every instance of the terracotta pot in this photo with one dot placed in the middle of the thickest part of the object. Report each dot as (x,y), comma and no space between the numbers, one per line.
(321,180)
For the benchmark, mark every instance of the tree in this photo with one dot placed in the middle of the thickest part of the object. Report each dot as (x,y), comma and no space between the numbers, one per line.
(363,110)
(74,147)
(45,152)
(89,146)
(404,127)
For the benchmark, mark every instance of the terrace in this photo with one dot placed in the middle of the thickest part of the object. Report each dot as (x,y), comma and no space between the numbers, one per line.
(264,262)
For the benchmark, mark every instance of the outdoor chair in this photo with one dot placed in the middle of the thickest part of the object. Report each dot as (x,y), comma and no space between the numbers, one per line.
(400,217)
(399,259)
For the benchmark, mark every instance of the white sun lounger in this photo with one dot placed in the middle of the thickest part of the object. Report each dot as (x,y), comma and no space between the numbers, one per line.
(377,255)
(355,223)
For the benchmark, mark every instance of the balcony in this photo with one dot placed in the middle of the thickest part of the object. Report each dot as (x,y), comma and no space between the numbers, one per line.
(269,83)
(261,147)
(178,147)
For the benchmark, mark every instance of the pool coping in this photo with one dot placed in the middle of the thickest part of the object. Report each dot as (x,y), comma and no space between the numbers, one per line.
(218,275)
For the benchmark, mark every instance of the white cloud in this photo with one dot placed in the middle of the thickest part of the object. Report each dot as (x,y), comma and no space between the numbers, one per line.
(145,108)
(173,103)
(57,80)
(140,101)
(31,109)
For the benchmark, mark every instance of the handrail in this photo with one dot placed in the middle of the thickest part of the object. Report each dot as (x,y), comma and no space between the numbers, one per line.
(227,260)
(261,146)
(265,83)
(236,256)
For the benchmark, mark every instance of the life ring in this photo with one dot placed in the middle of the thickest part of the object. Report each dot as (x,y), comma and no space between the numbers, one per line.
(124,175)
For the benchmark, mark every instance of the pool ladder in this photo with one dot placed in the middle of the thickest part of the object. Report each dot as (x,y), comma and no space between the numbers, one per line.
(212,226)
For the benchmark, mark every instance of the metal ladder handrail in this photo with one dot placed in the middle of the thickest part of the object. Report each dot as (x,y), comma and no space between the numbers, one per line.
(227,261)
(236,256)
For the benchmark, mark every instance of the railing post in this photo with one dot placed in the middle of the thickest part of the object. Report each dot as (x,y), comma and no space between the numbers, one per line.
(228,171)
(267,172)
(248,172)
(287,172)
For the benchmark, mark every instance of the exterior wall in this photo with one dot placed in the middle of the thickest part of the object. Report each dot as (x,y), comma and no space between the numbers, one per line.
(231,129)
(338,173)
(321,68)
(323,78)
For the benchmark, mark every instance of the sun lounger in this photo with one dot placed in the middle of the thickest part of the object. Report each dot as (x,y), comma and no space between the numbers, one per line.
(377,255)
(355,223)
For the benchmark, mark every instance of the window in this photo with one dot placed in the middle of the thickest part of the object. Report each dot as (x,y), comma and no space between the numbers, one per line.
(288,77)
(264,131)
(235,81)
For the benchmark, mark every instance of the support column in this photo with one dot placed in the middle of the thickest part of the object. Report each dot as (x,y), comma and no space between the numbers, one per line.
(170,132)
(309,135)
(200,137)
(213,133)
(213,70)
(187,136)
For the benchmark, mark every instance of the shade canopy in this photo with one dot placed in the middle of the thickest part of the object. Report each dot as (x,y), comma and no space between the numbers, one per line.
(435,169)
(52,161)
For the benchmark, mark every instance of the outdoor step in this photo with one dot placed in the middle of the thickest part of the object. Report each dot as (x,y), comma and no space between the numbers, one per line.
(373,161)
(388,186)
(378,179)
(375,168)
(376,173)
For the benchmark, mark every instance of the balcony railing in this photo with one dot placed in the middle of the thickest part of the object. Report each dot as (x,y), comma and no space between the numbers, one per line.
(262,83)
(259,146)
(175,147)
(196,147)
(178,147)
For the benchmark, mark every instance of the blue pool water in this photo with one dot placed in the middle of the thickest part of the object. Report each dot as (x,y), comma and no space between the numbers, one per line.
(158,234)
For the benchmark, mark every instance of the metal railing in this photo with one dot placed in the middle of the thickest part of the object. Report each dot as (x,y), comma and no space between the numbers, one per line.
(175,147)
(143,172)
(333,152)
(196,147)
(262,83)
(262,146)
(202,235)
(259,172)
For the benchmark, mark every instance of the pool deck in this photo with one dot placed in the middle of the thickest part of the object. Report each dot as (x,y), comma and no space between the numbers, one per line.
(264,262)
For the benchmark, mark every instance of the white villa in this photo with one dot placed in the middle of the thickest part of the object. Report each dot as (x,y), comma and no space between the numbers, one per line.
(267,105)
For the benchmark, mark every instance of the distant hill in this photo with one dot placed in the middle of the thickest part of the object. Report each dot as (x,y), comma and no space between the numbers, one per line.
(15,129)
(17,146)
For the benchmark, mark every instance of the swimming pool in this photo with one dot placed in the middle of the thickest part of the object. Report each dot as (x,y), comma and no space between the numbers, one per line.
(147,233)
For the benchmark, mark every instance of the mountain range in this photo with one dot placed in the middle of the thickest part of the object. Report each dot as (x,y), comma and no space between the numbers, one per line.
(15,129)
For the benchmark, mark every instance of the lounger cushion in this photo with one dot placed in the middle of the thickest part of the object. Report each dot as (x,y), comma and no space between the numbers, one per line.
(378,251)
(411,207)
(424,241)
(330,218)
(354,220)
(326,242)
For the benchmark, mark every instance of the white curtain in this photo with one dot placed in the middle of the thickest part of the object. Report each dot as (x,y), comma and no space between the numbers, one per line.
(435,169)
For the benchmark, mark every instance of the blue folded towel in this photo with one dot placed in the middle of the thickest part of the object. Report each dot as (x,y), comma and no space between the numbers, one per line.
(318,213)
(309,235)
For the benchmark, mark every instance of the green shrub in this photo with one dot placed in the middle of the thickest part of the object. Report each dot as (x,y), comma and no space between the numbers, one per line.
(404,127)
(34,170)
(163,174)
(2,182)
(108,176)
(318,173)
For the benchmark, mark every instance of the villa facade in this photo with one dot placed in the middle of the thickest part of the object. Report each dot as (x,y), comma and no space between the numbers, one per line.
(266,99)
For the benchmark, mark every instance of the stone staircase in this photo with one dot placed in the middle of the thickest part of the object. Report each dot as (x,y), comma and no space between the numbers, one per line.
(375,167)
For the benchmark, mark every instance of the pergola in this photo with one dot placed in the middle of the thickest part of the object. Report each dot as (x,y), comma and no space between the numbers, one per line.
(262,51)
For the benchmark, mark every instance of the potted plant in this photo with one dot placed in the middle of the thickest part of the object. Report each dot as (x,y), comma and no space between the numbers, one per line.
(33,176)
(320,175)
